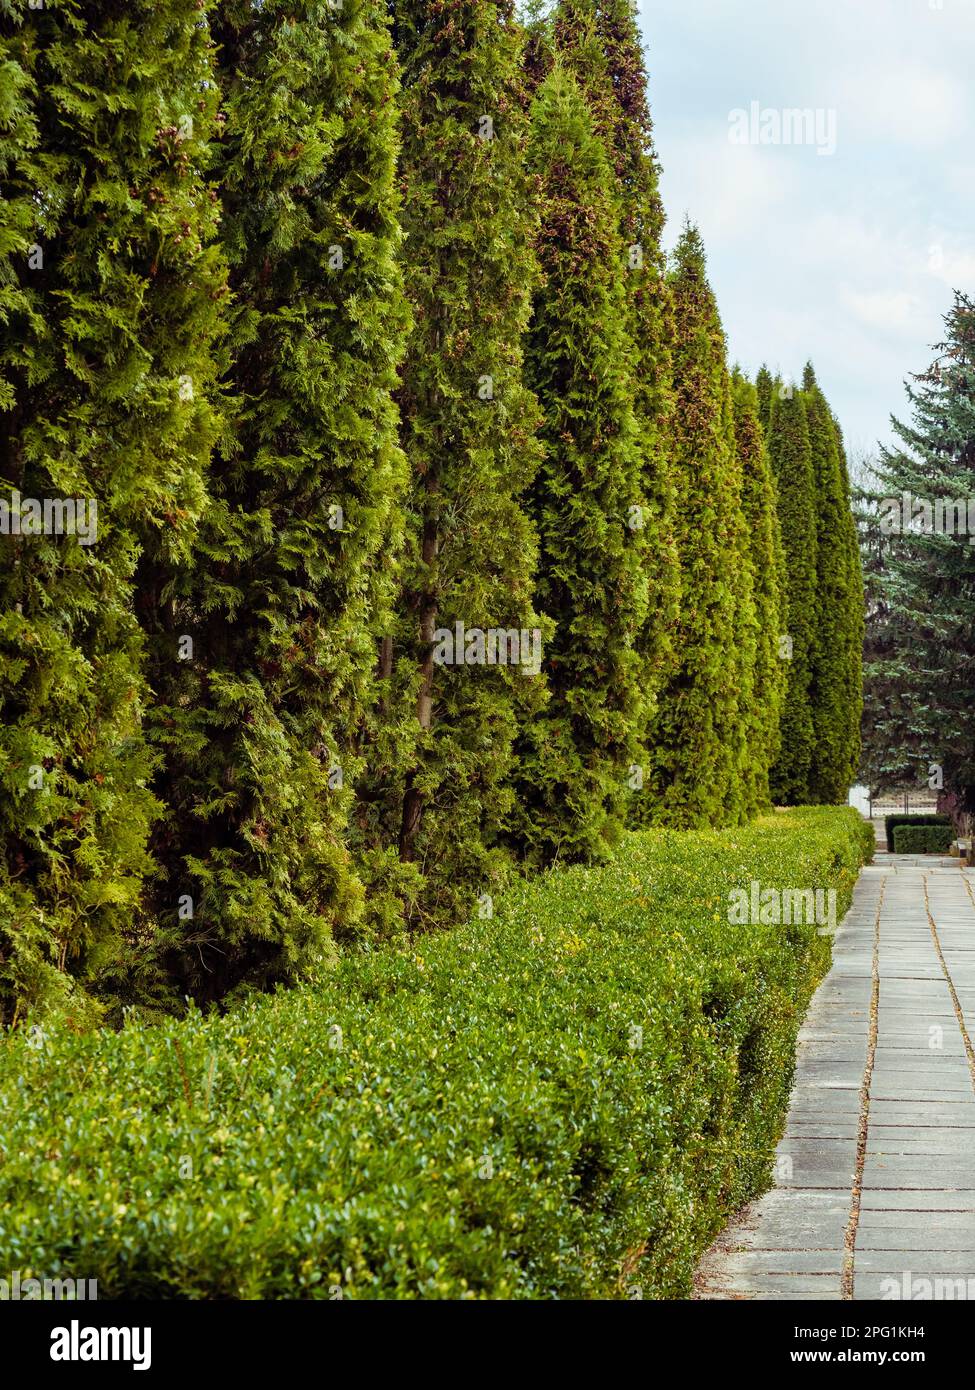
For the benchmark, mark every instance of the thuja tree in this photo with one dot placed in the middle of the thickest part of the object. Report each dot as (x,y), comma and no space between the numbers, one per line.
(922,579)
(460,656)
(855,624)
(764,386)
(835,683)
(111,297)
(264,650)
(767,677)
(698,744)
(599,41)
(790,451)
(592,577)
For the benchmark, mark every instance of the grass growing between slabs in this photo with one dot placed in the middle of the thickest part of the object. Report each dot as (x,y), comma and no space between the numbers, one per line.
(565,1101)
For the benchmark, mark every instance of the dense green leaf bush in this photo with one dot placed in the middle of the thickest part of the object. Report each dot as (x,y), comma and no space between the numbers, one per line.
(892,822)
(565,1101)
(923,839)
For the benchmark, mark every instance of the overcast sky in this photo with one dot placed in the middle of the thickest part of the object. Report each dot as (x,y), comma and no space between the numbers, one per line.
(848,258)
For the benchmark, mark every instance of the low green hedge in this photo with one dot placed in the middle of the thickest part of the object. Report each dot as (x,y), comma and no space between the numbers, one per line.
(923,839)
(892,822)
(566,1101)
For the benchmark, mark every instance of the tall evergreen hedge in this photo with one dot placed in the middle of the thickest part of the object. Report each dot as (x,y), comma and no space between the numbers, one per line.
(854,619)
(433,532)
(285,596)
(790,451)
(765,387)
(767,677)
(698,750)
(600,42)
(438,794)
(580,362)
(834,693)
(111,294)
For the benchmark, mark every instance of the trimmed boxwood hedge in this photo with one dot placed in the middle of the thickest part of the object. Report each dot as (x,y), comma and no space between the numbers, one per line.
(892,822)
(923,839)
(566,1100)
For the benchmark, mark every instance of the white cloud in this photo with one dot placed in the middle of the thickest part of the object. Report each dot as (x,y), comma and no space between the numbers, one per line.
(849,260)
(904,104)
(891,310)
(731,191)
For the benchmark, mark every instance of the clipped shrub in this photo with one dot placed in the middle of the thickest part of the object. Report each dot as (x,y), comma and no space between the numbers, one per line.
(892,822)
(923,839)
(564,1102)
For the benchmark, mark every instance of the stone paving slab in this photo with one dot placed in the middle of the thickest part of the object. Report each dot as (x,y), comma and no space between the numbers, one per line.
(937,1262)
(875,1172)
(916,1285)
(784,1262)
(783,1288)
(959,1200)
(916,1171)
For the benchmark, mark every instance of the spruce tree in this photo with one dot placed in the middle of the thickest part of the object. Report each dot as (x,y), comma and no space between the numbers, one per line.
(111,293)
(765,693)
(922,579)
(438,787)
(599,42)
(834,684)
(791,456)
(697,770)
(264,648)
(592,568)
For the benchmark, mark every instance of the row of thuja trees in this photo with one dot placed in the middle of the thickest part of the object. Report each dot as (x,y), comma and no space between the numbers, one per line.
(358,329)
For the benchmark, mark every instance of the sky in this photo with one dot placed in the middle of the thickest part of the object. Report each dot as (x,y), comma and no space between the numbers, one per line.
(848,257)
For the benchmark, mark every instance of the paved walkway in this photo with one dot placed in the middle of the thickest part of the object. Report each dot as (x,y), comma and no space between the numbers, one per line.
(875,1186)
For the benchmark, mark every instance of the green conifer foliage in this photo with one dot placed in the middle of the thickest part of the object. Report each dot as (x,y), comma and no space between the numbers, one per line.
(855,617)
(917,527)
(765,386)
(835,685)
(110,303)
(767,561)
(592,576)
(438,785)
(600,42)
(697,746)
(286,595)
(790,452)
